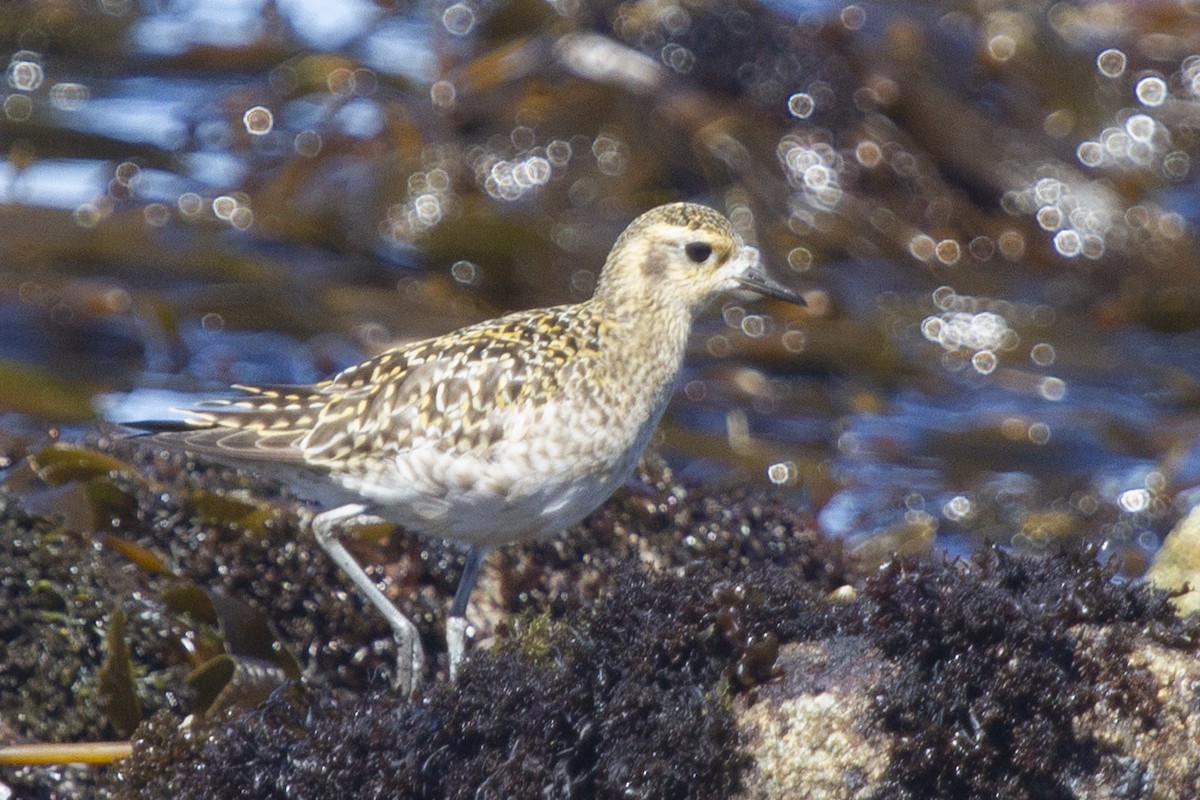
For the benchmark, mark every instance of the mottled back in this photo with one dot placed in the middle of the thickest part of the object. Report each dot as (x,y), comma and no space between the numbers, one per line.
(459,390)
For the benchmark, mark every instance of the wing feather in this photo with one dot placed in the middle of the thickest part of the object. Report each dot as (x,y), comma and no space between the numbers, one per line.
(460,390)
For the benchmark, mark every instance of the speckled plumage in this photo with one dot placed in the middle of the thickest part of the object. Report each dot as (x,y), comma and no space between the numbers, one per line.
(517,426)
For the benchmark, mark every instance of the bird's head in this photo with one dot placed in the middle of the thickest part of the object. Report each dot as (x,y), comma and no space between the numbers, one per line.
(681,256)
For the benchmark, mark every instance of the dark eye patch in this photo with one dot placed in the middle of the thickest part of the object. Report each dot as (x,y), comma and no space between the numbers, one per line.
(698,251)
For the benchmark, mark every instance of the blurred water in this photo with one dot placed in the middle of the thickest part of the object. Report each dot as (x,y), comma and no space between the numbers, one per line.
(992,209)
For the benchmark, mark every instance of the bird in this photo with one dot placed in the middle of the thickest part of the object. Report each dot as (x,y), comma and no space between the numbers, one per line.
(513,428)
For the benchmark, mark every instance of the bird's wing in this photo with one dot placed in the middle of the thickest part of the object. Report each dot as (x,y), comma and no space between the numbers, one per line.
(459,390)
(266,423)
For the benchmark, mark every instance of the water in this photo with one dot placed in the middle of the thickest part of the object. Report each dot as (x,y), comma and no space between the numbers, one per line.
(992,213)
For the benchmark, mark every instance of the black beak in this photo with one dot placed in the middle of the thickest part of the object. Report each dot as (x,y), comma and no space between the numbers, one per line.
(757,280)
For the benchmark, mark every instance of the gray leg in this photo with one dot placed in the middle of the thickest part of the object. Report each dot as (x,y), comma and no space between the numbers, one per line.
(456,622)
(410,657)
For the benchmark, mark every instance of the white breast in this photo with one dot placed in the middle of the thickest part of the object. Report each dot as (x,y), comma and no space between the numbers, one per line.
(552,468)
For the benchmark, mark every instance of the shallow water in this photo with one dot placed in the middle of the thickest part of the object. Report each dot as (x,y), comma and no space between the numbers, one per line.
(992,214)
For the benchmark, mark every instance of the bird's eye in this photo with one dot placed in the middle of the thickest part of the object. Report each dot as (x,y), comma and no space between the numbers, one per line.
(698,251)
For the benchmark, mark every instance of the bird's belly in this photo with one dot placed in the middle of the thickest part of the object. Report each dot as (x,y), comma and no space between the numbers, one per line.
(491,501)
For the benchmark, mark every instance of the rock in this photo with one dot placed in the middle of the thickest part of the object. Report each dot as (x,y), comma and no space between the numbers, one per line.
(805,733)
(1177,563)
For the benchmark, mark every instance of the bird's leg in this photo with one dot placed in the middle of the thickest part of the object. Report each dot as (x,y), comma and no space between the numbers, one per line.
(410,657)
(456,621)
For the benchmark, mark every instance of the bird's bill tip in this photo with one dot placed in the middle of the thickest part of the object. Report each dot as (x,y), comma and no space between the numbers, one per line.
(756,279)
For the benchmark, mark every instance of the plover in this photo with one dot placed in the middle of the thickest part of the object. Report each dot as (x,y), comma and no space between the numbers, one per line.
(515,427)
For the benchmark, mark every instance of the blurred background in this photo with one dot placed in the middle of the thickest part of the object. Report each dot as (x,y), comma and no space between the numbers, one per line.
(990,207)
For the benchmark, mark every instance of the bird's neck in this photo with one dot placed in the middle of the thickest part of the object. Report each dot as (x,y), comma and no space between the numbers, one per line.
(646,319)
(645,342)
